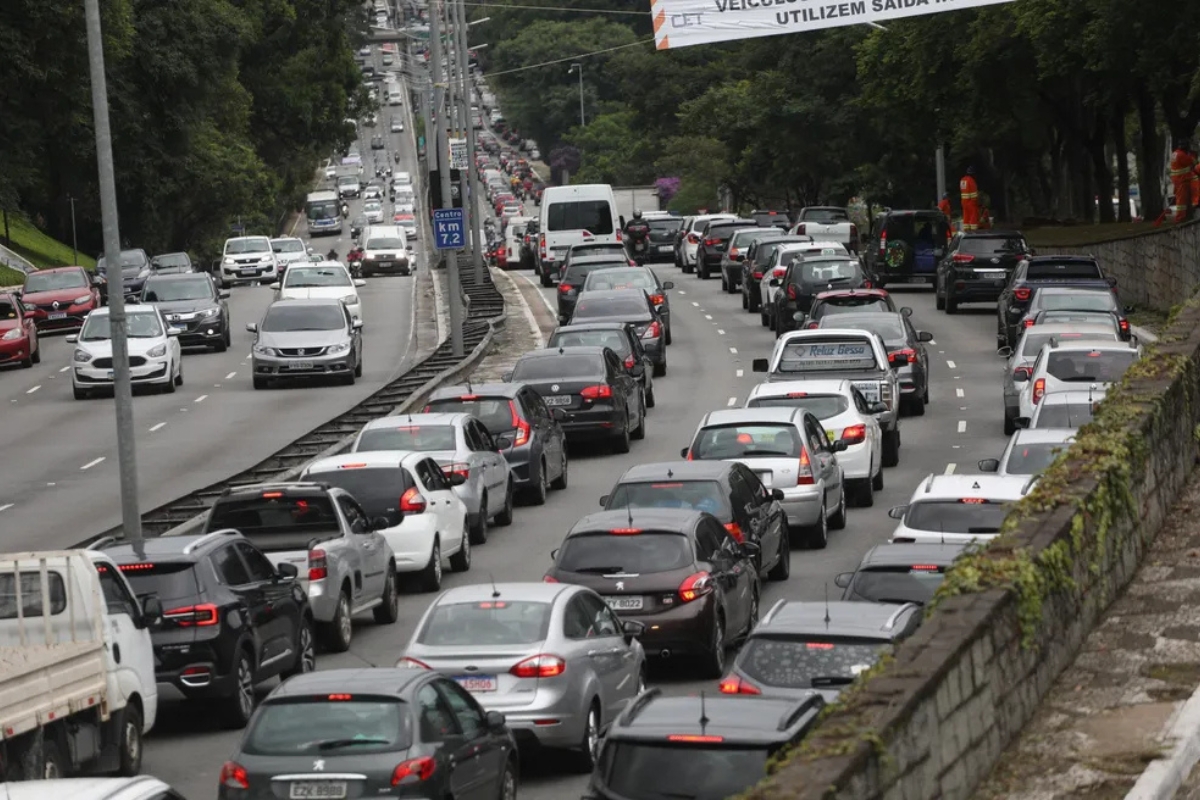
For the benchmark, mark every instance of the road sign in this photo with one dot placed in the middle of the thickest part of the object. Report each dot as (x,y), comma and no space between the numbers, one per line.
(458,154)
(449,233)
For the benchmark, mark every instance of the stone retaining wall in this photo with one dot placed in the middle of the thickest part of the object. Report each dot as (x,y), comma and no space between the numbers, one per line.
(930,722)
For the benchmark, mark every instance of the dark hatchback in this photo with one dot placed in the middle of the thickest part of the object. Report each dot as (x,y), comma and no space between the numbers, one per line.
(355,733)
(758,260)
(906,351)
(135,269)
(663,234)
(636,278)
(589,249)
(627,305)
(1081,299)
(857,301)
(575,273)
(713,242)
(621,338)
(899,573)
(537,455)
(699,748)
(193,303)
(677,571)
(977,266)
(231,619)
(598,397)
(809,276)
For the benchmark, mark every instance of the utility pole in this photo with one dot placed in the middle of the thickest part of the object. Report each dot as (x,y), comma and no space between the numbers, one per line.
(74,238)
(473,220)
(122,386)
(940,157)
(443,162)
(578,68)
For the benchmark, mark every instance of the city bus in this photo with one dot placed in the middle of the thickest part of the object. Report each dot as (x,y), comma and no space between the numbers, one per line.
(324,212)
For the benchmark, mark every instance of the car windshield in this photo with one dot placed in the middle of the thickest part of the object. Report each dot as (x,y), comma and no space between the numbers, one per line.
(593,216)
(308,277)
(643,553)
(284,316)
(629,306)
(377,489)
(237,246)
(888,326)
(637,770)
(53,281)
(269,518)
(419,438)
(617,341)
(695,495)
(1034,457)
(1063,415)
(1076,301)
(172,260)
(968,515)
(372,207)
(993,246)
(665,223)
(899,584)
(826,271)
(564,367)
(1097,366)
(619,279)
(803,662)
(1056,272)
(347,180)
(287,246)
(129,259)
(825,216)
(166,290)
(7,309)
(489,622)
(496,413)
(339,724)
(384,243)
(139,326)
(750,440)
(1035,341)
(822,406)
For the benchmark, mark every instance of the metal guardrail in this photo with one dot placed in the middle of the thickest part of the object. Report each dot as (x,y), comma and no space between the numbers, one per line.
(10,259)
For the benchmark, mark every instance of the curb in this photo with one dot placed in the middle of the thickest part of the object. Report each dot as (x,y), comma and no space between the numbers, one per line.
(1163,777)
(1144,335)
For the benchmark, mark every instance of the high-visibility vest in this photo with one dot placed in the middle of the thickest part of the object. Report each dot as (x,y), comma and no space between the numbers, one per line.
(1182,165)
(968,189)
(944,207)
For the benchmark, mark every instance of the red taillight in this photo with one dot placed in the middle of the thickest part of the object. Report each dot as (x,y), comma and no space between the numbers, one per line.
(1026,371)
(778,272)
(711,242)
(563,288)
(234,776)
(733,251)
(735,685)
(867,285)
(549,579)
(855,434)
(695,586)
(756,276)
(791,292)
(193,616)
(1028,323)
(653,332)
(735,531)
(1022,295)
(1124,325)
(603,391)
(963,258)
(540,666)
(1039,390)
(883,243)
(457,469)
(657,299)
(629,362)
(905,356)
(414,771)
(812,326)
(620,238)
(524,431)
(693,238)
(542,245)
(411,502)
(317,565)
(412,663)
(804,475)
(800,229)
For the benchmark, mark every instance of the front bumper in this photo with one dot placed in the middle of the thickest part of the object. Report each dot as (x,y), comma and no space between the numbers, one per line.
(14,351)
(239,273)
(154,370)
(60,319)
(802,505)
(201,331)
(282,367)
(398,266)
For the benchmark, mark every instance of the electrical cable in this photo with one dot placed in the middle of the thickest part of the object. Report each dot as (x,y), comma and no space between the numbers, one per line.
(647,40)
(558,8)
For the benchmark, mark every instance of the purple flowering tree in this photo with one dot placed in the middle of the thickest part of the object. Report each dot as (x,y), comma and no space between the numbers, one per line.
(667,189)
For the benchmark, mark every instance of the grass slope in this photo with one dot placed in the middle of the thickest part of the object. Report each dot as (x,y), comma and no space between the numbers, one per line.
(43,251)
(10,277)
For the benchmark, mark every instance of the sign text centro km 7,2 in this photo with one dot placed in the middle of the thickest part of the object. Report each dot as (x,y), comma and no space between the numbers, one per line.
(449,232)
(684,23)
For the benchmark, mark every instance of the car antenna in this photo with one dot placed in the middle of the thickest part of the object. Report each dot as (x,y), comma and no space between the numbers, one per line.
(703,713)
(495,591)
(827,619)
(629,515)
(670,474)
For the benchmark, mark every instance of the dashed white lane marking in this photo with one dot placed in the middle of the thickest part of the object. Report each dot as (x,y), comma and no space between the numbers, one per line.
(931,341)
(733,350)
(958,392)
(230,376)
(6,506)
(962,426)
(249,356)
(200,399)
(720,332)
(740,372)
(708,316)
(64,369)
(682,291)
(950,364)
(92,463)
(157,427)
(34,389)
(697,305)
(950,468)
(732,402)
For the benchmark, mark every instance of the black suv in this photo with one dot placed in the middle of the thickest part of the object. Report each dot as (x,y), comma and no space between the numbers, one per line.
(976,267)
(809,276)
(231,620)
(713,242)
(194,304)
(703,748)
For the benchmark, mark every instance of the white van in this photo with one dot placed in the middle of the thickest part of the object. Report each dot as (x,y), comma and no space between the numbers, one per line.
(573,215)
(395,96)
(385,251)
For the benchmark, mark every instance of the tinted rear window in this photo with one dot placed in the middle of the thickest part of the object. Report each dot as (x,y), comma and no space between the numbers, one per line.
(666,224)
(645,771)
(722,231)
(907,227)
(747,441)
(826,271)
(594,216)
(1063,415)
(822,406)
(268,514)
(956,516)
(577,273)
(632,307)
(421,438)
(696,495)
(997,246)
(494,412)
(1033,458)
(1098,366)
(607,554)
(168,581)
(765,253)
(567,367)
(1072,271)
(489,622)
(1075,317)
(622,278)
(318,726)
(1077,301)
(615,340)
(906,584)
(377,489)
(804,663)
(1035,341)
(770,218)
(850,305)
(823,216)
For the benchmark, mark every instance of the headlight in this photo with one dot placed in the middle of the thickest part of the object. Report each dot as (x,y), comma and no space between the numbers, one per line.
(264,351)
(210,312)
(15,333)
(350,299)
(157,351)
(226,260)
(339,348)
(78,301)
(83,356)
(369,256)
(265,258)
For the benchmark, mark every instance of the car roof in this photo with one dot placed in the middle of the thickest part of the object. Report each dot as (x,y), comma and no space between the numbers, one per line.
(990,487)
(679,520)
(593,351)
(478,389)
(524,591)
(372,680)
(738,719)
(130,308)
(1089,346)
(991,234)
(605,325)
(769,414)
(421,418)
(936,553)
(680,471)
(163,548)
(1044,435)
(85,788)
(817,386)
(880,293)
(366,459)
(836,618)
(1064,259)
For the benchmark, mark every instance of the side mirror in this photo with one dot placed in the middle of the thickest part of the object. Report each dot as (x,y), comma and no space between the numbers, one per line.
(72,339)
(668,285)
(989,465)
(252,327)
(683,453)
(286,570)
(223,294)
(554,554)
(773,282)
(503,443)
(603,500)
(152,612)
(359,283)
(1023,422)
(1112,281)
(842,581)
(495,722)
(506,377)
(760,365)
(924,336)
(276,286)
(840,446)
(897,512)
(559,414)
(777,494)
(356,324)
(632,629)
(174,331)
(1020,377)
(906,311)
(799,316)
(456,479)
(1004,352)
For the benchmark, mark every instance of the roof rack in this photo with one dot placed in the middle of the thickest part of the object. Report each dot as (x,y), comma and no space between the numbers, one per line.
(929,483)
(891,621)
(241,487)
(639,705)
(774,610)
(208,537)
(102,542)
(804,706)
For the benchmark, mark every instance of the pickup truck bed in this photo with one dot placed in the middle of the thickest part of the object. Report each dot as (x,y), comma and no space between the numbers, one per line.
(42,683)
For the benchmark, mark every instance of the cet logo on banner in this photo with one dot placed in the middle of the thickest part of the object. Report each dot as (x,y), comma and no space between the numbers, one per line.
(684,23)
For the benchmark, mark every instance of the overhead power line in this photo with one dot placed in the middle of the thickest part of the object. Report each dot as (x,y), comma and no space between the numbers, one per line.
(560,8)
(647,40)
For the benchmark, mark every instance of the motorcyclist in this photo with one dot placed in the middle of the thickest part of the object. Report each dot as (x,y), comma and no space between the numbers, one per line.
(332,255)
(345,209)
(637,232)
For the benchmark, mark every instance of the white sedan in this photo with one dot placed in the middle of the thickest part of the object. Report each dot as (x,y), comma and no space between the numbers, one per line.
(845,414)
(321,280)
(155,357)
(373,211)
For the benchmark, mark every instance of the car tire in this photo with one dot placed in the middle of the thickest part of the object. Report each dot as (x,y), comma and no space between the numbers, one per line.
(545,278)
(169,387)
(221,346)
(80,394)
(917,406)
(951,304)
(589,746)
(939,301)
(561,481)
(753,300)
(764,319)
(536,495)
(1010,425)
(505,516)
(179,377)
(712,663)
(838,521)
(661,369)
(817,536)
(877,480)
(753,616)
(864,493)
(724,282)
(130,746)
(620,442)
(479,527)
(783,567)
(358,367)
(429,579)
(668,337)
(27,363)
(237,708)
(36,355)
(306,651)
(745,301)
(639,432)
(650,401)
(461,561)
(891,448)
(388,611)
(338,632)
(348,379)
(260,383)
(508,781)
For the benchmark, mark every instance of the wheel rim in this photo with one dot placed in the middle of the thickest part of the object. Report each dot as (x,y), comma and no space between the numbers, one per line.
(50,771)
(308,655)
(510,785)
(436,557)
(245,687)
(344,618)
(466,547)
(719,643)
(392,598)
(133,741)
(593,733)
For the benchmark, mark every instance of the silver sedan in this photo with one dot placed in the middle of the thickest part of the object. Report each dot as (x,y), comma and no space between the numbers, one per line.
(551,657)
(461,445)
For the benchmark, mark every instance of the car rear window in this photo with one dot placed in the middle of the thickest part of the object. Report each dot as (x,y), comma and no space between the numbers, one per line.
(993,246)
(1077,301)
(377,489)
(822,406)
(1076,317)
(816,272)
(420,438)
(1097,366)
(800,662)
(666,223)
(721,231)
(850,304)
(495,413)
(1034,342)
(170,581)
(609,553)
(622,278)
(888,326)
(747,441)
(1063,415)
(487,622)
(909,227)
(914,583)
(630,307)
(970,515)
(593,216)
(825,216)
(617,341)
(577,273)
(696,495)
(260,518)
(1076,270)
(1034,457)
(807,355)
(765,218)
(566,367)
(765,253)
(654,771)
(333,724)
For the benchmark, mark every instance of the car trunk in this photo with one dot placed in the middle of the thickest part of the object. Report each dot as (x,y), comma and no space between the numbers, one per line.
(565,393)
(486,672)
(636,571)
(774,473)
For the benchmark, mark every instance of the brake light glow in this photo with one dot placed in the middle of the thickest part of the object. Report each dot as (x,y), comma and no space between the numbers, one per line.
(693,238)
(414,770)
(625,531)
(1039,390)
(883,243)
(490,605)
(563,288)
(468,397)
(234,776)
(695,586)
(711,242)
(352,466)
(654,331)
(925,567)
(134,567)
(855,434)
(539,666)
(411,502)
(412,663)
(735,685)
(972,501)
(681,737)
(778,272)
(800,229)
(457,469)
(272,495)
(629,362)
(524,431)
(549,579)
(1124,325)
(340,697)
(1022,295)
(804,475)
(756,275)
(818,646)
(905,356)
(603,391)
(963,258)
(542,246)
(318,567)
(735,531)
(791,292)
(657,299)
(200,616)
(733,251)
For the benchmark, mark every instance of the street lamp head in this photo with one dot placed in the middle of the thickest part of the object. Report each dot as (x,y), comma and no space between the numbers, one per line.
(479,21)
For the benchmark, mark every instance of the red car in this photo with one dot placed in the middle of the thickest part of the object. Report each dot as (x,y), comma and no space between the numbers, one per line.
(60,298)
(18,333)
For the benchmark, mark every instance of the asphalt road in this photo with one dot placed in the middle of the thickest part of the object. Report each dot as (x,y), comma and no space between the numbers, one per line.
(63,482)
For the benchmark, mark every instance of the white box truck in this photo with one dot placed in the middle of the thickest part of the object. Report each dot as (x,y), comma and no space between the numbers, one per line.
(635,198)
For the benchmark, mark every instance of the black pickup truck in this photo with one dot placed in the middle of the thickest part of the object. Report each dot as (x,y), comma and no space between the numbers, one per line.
(1037,272)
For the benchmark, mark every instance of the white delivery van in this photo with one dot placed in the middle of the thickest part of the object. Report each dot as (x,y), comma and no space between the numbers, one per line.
(573,215)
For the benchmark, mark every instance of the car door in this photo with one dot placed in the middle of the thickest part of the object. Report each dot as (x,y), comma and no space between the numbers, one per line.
(437,725)
(547,430)
(280,621)
(483,748)
(373,551)
(596,639)
(623,383)
(823,462)
(128,644)
(765,525)
(440,499)
(495,468)
(730,571)
(234,573)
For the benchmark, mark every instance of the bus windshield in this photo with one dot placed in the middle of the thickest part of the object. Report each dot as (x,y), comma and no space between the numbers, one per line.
(322,209)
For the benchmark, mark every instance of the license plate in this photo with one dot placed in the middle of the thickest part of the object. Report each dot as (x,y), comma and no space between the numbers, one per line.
(764,477)
(624,603)
(870,391)
(477,683)
(664,248)
(990,274)
(249,272)
(57,315)
(300,365)
(318,790)
(558,400)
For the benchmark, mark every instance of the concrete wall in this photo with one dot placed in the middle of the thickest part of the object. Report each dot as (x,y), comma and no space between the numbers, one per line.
(1156,270)
(931,722)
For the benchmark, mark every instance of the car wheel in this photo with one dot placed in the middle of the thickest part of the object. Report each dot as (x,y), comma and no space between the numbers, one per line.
(131,743)
(546,280)
(877,481)
(838,521)
(817,535)
(783,567)
(536,495)
(724,282)
(668,339)
(589,747)
(891,448)
(80,394)
(505,517)
(917,406)
(479,528)
(239,707)
(461,561)
(338,632)
(939,301)
(388,611)
(349,378)
(745,302)
(661,369)
(864,494)
(561,481)
(358,367)
(1010,424)
(650,398)
(260,383)
(27,363)
(430,578)
(508,782)
(712,663)
(620,442)
(764,319)
(36,355)
(306,650)
(951,304)
(179,377)
(639,432)
(752,617)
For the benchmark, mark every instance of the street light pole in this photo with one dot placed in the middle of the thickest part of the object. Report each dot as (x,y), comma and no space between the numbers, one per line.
(122,387)
(579,69)
(74,239)
(474,217)
(443,162)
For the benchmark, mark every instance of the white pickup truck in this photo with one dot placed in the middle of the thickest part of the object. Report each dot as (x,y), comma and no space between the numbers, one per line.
(827,224)
(77,685)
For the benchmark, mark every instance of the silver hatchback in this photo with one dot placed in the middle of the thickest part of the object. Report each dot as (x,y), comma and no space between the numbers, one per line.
(551,657)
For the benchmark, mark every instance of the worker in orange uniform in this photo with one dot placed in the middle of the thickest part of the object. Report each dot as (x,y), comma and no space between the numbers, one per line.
(944,207)
(1183,181)
(969,192)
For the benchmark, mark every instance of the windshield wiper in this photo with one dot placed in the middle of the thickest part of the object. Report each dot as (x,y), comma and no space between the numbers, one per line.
(832,680)
(983,530)
(333,744)
(599,570)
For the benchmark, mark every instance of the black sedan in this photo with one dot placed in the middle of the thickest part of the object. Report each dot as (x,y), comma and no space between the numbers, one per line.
(627,305)
(636,278)
(621,338)
(808,276)
(906,351)
(663,234)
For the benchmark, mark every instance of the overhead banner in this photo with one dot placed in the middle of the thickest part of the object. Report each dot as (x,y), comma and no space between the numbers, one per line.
(684,23)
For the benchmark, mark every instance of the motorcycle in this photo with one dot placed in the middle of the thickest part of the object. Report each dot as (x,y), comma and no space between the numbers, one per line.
(639,244)
(355,265)
(345,210)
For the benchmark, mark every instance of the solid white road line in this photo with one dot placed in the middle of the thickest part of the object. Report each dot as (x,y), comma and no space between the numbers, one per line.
(741,372)
(6,506)
(229,377)
(92,463)
(950,468)
(159,426)
(200,399)
(34,389)
(545,300)
(958,392)
(535,330)
(732,402)
(962,426)
(950,364)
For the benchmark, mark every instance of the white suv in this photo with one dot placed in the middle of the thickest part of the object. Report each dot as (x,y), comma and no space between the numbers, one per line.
(1063,367)
(957,509)
(247,259)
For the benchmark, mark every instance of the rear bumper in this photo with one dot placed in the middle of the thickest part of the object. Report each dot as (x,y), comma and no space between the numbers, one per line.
(802,504)
(683,630)
(592,424)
